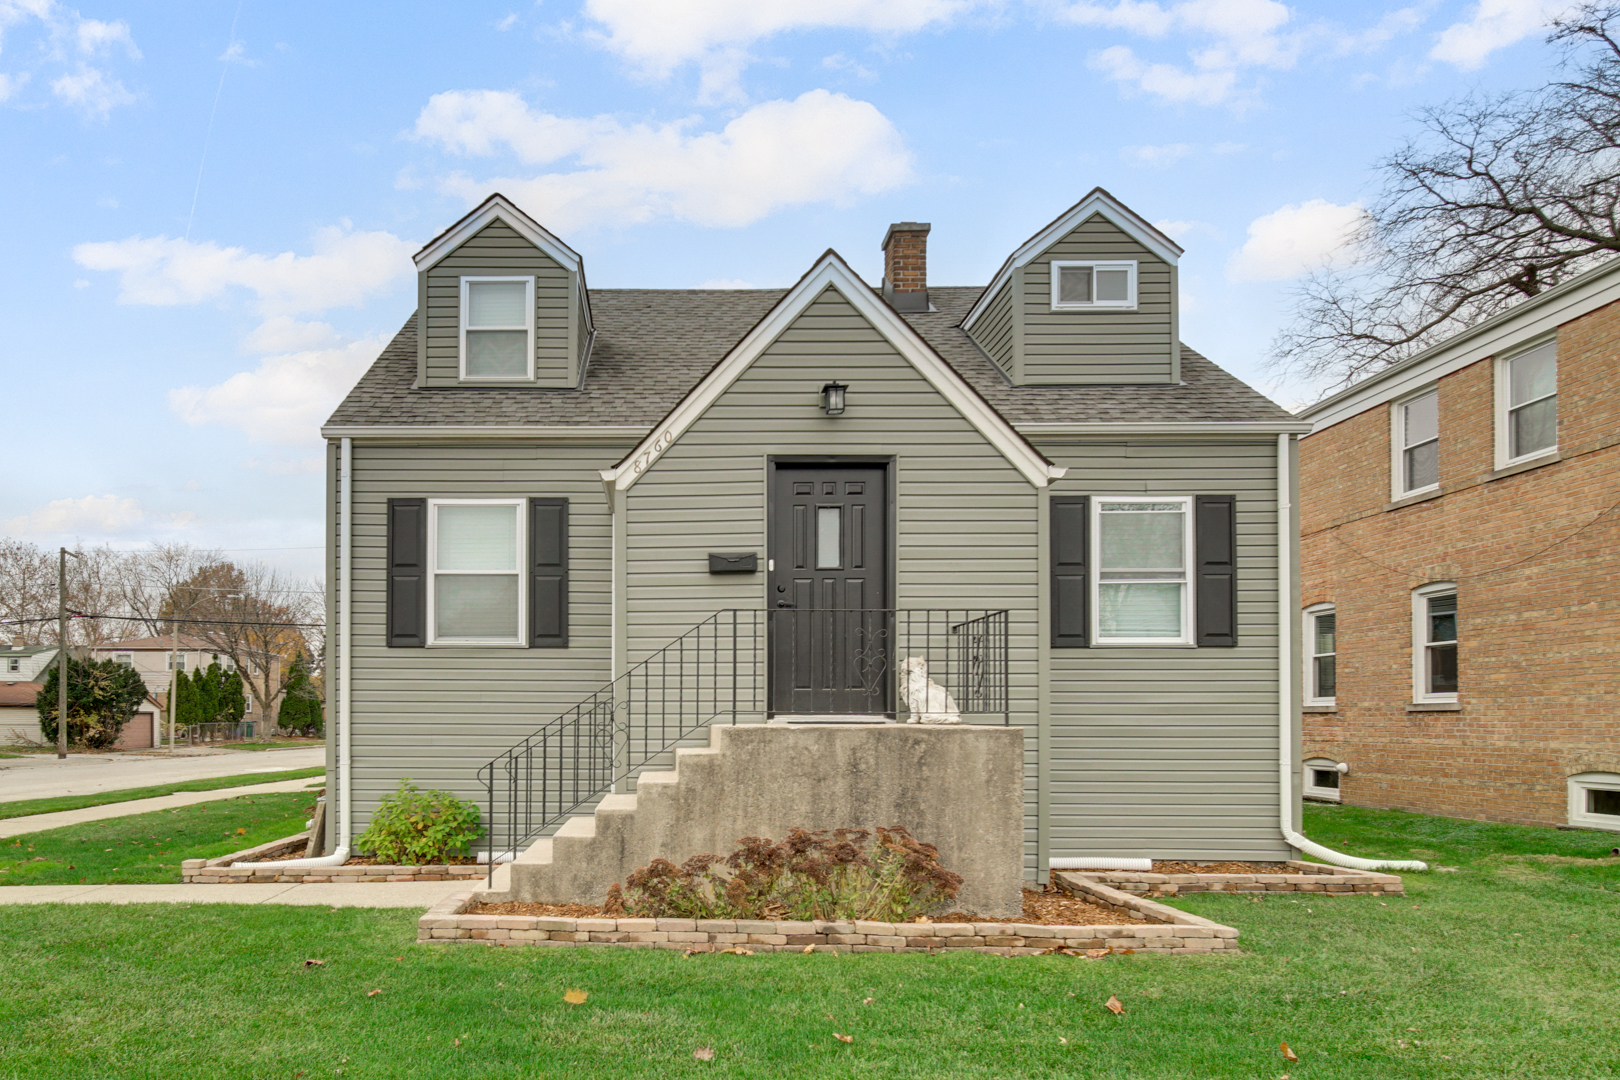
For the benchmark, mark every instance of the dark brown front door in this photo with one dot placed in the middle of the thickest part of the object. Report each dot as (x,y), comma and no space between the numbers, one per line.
(829,591)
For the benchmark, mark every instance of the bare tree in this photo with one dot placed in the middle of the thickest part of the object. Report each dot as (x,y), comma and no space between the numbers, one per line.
(1497,200)
(27,592)
(256,616)
(153,582)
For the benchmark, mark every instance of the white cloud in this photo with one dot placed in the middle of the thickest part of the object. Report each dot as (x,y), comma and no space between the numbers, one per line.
(1164,81)
(287,397)
(1492,25)
(659,36)
(1177,229)
(1147,19)
(91,91)
(819,147)
(345,269)
(1157,156)
(100,515)
(1297,239)
(95,37)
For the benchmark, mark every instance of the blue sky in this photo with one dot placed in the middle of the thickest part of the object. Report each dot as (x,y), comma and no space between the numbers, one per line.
(211,206)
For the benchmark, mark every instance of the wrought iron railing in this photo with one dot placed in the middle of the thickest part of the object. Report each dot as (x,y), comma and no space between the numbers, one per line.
(881,663)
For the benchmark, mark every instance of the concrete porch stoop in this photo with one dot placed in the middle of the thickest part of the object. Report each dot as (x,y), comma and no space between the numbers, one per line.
(958,787)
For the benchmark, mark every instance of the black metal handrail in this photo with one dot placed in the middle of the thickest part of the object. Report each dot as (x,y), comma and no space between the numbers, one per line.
(844,662)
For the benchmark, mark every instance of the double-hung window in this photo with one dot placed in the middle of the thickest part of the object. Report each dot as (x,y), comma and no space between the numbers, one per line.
(475,550)
(1142,588)
(1321,654)
(497,328)
(1434,646)
(1417,444)
(1527,405)
(1083,286)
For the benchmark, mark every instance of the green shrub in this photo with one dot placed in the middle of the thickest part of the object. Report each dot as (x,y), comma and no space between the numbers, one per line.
(102,697)
(410,827)
(848,874)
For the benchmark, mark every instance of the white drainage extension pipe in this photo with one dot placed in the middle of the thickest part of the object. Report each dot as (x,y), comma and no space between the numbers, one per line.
(1285,684)
(1144,865)
(345,666)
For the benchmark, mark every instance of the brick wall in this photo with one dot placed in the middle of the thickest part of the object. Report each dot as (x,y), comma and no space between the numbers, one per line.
(1536,560)
(905,259)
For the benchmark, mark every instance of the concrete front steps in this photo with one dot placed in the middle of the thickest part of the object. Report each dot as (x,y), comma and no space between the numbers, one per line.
(959,787)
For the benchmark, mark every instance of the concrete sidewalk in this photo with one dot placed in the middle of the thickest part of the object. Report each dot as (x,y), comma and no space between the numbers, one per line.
(382,894)
(40,822)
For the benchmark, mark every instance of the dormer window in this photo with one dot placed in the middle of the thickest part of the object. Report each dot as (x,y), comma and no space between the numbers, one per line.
(1085,285)
(497,328)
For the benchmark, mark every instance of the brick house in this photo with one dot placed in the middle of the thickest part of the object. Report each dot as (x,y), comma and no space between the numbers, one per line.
(1460,572)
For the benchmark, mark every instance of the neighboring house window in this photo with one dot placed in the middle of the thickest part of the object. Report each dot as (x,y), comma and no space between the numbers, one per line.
(475,549)
(1527,405)
(1417,443)
(1321,780)
(1594,800)
(1434,648)
(1321,654)
(177,661)
(127,659)
(13,664)
(497,328)
(1140,552)
(1086,285)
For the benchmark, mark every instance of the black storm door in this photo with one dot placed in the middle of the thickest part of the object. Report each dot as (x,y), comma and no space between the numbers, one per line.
(830,632)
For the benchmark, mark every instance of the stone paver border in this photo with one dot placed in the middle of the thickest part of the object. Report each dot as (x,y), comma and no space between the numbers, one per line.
(1155,928)
(220,871)
(1306,877)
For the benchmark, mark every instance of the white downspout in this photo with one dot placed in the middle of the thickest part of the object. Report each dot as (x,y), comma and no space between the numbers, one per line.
(345,665)
(1285,682)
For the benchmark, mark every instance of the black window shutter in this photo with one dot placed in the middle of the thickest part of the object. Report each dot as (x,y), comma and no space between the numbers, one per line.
(1215,534)
(407,573)
(1071,625)
(548,573)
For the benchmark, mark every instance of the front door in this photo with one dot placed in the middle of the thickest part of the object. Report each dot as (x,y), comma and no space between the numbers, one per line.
(830,632)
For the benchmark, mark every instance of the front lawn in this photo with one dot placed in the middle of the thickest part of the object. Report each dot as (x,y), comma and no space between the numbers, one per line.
(148,848)
(54,803)
(1508,967)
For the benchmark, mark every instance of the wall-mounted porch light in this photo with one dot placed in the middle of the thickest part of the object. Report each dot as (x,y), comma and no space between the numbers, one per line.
(832,398)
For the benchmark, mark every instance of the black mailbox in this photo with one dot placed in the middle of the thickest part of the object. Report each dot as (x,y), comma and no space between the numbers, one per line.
(746,562)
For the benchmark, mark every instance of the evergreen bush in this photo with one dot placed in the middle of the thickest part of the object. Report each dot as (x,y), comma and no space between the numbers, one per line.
(301,704)
(411,827)
(102,697)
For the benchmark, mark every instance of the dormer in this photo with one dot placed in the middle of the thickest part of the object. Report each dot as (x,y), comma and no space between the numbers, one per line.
(1090,299)
(500,302)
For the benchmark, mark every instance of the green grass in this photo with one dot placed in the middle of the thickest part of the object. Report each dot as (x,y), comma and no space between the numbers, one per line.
(148,848)
(276,745)
(29,807)
(1509,967)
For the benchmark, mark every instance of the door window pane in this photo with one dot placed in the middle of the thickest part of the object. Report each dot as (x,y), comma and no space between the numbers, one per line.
(496,303)
(829,533)
(475,538)
(1074,284)
(476,607)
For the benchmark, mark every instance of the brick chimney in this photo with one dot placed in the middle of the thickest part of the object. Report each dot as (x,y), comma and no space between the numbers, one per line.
(905,265)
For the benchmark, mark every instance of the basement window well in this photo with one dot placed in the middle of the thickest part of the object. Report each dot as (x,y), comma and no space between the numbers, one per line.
(1594,800)
(1321,780)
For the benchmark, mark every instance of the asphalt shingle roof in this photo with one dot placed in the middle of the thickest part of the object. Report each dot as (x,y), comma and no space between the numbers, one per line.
(653,345)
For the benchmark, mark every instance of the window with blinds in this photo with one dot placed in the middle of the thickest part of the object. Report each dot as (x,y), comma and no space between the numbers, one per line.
(1418,429)
(1322,655)
(1435,643)
(476,594)
(497,328)
(1532,402)
(1141,564)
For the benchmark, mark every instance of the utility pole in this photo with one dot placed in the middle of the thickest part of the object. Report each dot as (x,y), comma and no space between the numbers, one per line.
(174,660)
(62,652)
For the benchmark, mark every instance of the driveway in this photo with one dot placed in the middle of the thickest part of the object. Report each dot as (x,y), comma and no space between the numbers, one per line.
(43,775)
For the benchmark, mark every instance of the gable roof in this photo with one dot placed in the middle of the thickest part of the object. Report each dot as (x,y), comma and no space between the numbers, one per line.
(496,208)
(1097,201)
(831,271)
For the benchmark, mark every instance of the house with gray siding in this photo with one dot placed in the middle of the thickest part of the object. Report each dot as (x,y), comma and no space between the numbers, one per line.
(572,528)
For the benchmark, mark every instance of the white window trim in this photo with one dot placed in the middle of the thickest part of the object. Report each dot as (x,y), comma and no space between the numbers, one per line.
(1397,446)
(1308,635)
(1579,785)
(1420,641)
(1307,780)
(518,639)
(1504,394)
(1128,304)
(1096,583)
(528,310)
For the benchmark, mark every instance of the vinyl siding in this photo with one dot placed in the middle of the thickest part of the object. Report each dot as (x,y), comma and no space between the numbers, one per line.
(1101,346)
(1172,752)
(966,526)
(437,714)
(498,250)
(993,331)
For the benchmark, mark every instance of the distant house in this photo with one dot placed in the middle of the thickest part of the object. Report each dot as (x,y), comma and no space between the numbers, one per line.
(622,514)
(154,659)
(1461,571)
(19,718)
(21,663)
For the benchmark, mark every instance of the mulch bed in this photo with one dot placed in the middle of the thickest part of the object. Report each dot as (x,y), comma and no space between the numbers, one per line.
(292,850)
(1040,909)
(1171,866)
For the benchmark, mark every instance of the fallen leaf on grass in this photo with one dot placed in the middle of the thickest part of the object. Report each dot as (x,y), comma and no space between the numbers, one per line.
(307,963)
(864,1001)
(453,1042)
(369,993)
(807,948)
(843,1038)
(1061,1040)
(684,955)
(1288,1055)
(1114,1005)
(575,996)
(704,1053)
(736,950)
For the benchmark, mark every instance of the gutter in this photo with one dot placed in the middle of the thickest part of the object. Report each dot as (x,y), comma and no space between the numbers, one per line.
(340,855)
(1285,685)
